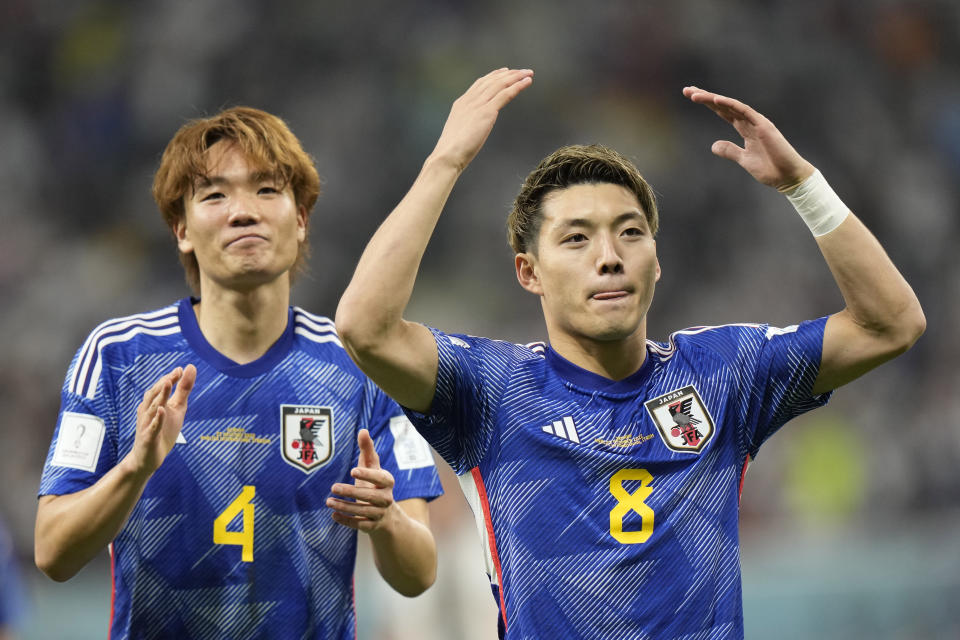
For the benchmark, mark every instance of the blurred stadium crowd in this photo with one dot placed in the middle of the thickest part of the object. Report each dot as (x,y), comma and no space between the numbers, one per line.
(868,91)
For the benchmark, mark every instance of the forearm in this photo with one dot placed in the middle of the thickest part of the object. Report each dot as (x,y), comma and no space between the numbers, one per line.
(73,528)
(405,553)
(877,297)
(373,304)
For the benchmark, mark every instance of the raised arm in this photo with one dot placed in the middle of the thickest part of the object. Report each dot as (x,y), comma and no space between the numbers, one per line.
(73,528)
(882,318)
(401,356)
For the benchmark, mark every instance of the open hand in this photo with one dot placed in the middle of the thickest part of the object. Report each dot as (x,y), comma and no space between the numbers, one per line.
(766,155)
(473,114)
(160,418)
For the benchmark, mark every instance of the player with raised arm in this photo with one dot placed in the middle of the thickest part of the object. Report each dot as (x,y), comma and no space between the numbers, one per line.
(604,468)
(202,441)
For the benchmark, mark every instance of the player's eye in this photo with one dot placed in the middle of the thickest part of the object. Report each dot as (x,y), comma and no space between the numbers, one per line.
(213,195)
(633,231)
(574,238)
(267,190)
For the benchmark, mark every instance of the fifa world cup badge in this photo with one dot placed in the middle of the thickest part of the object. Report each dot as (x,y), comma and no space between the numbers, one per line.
(306,436)
(682,419)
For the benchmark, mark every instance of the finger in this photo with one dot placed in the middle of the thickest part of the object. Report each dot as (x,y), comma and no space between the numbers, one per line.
(357,509)
(495,84)
(728,150)
(360,524)
(376,497)
(368,453)
(184,386)
(156,399)
(378,477)
(738,109)
(511,91)
(150,395)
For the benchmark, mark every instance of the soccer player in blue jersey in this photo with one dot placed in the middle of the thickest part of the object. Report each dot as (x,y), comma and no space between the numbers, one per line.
(225,447)
(604,468)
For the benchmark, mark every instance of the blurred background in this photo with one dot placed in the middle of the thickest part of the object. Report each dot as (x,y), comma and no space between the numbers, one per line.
(849,516)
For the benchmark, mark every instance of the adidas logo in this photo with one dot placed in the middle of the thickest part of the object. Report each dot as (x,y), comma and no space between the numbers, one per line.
(563,429)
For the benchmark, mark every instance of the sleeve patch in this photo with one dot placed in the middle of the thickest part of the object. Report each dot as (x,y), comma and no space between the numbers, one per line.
(79,442)
(777,331)
(409,448)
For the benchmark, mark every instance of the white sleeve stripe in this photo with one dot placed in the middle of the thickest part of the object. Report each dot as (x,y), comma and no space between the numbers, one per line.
(318,322)
(89,386)
(315,337)
(91,348)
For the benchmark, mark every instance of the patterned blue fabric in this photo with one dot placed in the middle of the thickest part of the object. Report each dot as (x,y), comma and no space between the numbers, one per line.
(171,580)
(613,506)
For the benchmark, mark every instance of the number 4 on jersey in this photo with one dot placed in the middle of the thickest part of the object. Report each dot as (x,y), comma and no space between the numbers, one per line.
(244,537)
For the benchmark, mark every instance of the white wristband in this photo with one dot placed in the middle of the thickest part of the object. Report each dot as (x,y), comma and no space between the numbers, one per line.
(818,204)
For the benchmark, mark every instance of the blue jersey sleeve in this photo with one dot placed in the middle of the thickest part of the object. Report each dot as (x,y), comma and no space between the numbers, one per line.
(471,377)
(783,367)
(84,445)
(402,451)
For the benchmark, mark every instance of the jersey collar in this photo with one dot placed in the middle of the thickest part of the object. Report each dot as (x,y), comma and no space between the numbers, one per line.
(191,331)
(591,381)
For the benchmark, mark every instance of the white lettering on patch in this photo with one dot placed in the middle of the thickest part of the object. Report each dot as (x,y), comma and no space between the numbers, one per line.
(79,442)
(409,447)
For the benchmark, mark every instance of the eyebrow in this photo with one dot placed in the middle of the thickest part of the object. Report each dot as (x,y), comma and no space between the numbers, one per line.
(202,182)
(584,222)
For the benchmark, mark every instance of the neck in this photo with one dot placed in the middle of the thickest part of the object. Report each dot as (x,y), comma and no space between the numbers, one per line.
(242,325)
(616,359)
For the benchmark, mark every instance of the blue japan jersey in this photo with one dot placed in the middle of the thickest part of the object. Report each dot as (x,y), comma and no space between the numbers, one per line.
(231,537)
(609,509)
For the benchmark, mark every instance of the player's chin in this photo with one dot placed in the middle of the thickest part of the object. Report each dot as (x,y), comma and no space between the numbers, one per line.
(613,332)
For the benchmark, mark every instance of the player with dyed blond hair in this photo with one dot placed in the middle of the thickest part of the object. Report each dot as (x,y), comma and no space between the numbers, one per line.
(604,468)
(202,441)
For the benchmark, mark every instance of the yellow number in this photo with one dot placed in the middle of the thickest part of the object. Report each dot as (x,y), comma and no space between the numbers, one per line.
(627,502)
(244,537)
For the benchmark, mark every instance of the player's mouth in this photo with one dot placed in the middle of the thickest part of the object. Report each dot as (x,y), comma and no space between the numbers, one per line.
(246,239)
(614,294)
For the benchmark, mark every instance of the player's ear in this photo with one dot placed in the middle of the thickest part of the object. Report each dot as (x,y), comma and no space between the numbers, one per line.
(657,279)
(301,223)
(180,232)
(528,273)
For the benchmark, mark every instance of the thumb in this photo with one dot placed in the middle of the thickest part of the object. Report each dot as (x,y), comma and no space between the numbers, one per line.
(726,149)
(368,454)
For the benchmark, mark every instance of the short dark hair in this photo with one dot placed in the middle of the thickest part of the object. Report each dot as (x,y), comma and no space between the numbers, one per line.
(566,167)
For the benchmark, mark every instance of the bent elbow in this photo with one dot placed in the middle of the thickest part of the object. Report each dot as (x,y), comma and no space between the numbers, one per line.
(418,585)
(360,334)
(48,563)
(912,327)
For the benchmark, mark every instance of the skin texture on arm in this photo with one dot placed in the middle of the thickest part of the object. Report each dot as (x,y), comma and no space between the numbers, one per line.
(404,550)
(883,317)
(73,528)
(401,356)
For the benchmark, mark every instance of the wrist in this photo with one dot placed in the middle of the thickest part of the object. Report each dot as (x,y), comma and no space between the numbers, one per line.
(443,162)
(133,469)
(818,204)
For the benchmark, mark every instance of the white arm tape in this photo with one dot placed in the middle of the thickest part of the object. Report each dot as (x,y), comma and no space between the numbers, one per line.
(818,204)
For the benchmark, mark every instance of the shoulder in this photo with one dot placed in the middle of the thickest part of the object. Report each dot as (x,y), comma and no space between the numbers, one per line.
(316,329)
(315,337)
(724,341)
(117,338)
(490,350)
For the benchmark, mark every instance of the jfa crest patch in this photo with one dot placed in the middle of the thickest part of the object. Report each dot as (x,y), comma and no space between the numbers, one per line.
(682,419)
(306,436)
